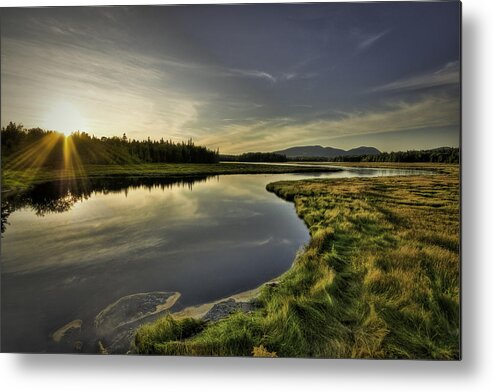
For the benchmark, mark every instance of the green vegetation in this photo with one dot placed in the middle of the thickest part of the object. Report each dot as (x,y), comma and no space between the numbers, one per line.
(167,329)
(378,279)
(18,179)
(436,155)
(422,166)
(33,156)
(23,148)
(436,167)
(254,157)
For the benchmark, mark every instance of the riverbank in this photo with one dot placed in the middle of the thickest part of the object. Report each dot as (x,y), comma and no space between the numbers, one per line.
(16,180)
(378,279)
(436,167)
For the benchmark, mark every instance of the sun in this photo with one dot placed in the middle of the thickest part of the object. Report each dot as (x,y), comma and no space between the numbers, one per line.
(64,117)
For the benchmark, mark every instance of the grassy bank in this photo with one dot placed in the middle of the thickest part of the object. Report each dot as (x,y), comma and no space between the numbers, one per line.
(20,179)
(436,167)
(378,279)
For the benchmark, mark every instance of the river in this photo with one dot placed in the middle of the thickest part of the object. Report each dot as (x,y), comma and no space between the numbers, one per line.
(70,250)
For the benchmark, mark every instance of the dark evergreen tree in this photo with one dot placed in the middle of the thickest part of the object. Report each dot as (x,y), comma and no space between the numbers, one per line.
(18,143)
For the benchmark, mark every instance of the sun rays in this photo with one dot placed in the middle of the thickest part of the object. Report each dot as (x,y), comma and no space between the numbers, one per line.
(64,117)
(35,154)
(50,149)
(55,150)
(71,159)
(31,159)
(72,164)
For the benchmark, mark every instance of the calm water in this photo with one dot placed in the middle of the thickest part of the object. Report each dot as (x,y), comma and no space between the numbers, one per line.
(70,250)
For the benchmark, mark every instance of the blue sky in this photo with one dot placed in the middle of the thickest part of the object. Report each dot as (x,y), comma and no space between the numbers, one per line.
(239,77)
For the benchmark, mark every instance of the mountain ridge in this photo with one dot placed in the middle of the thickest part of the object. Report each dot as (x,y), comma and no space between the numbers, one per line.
(326,152)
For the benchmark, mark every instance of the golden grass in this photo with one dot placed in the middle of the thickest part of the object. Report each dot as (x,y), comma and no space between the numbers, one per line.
(379,278)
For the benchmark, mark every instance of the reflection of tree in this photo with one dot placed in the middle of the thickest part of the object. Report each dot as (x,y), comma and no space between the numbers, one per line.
(7,209)
(61,196)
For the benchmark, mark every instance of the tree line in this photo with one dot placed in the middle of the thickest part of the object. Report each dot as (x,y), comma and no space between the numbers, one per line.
(17,141)
(436,155)
(254,157)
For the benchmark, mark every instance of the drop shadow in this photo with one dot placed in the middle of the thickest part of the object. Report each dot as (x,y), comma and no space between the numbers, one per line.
(33,364)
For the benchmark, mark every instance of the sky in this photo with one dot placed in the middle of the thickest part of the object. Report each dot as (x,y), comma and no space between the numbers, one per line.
(240,78)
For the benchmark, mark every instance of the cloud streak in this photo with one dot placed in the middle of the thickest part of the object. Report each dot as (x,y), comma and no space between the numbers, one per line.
(116,93)
(372,39)
(448,75)
(430,112)
(203,72)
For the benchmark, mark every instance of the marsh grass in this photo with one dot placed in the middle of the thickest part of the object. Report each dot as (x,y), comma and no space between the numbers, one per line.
(19,179)
(378,279)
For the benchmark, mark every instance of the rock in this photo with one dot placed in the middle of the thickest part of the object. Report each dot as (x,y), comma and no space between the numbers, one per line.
(69,330)
(117,323)
(78,345)
(225,308)
(132,308)
(121,342)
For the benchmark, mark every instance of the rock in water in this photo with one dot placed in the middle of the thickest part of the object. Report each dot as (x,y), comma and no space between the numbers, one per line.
(132,308)
(72,328)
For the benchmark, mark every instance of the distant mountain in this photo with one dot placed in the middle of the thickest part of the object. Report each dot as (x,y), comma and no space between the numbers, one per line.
(326,152)
(363,150)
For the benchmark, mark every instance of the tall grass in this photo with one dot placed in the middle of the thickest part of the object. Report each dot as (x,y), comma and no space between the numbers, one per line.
(20,179)
(378,279)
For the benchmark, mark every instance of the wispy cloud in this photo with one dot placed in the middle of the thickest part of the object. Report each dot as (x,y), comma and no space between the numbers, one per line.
(372,39)
(251,73)
(169,72)
(449,74)
(269,135)
(115,93)
(271,77)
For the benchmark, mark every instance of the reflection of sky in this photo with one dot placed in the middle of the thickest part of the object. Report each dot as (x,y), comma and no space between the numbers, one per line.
(104,226)
(220,238)
(231,212)
(225,236)
(108,227)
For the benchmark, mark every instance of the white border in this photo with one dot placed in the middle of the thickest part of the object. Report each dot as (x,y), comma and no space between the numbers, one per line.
(94,373)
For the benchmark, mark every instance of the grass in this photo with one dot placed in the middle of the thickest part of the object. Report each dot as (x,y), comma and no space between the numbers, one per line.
(437,167)
(378,279)
(15,180)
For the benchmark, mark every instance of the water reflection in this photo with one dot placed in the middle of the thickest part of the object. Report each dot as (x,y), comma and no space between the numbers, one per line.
(72,249)
(61,196)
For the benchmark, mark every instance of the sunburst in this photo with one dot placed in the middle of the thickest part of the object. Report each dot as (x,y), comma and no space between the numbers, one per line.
(64,117)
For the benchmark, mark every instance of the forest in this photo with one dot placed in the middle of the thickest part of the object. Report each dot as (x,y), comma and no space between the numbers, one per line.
(255,157)
(48,148)
(436,155)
